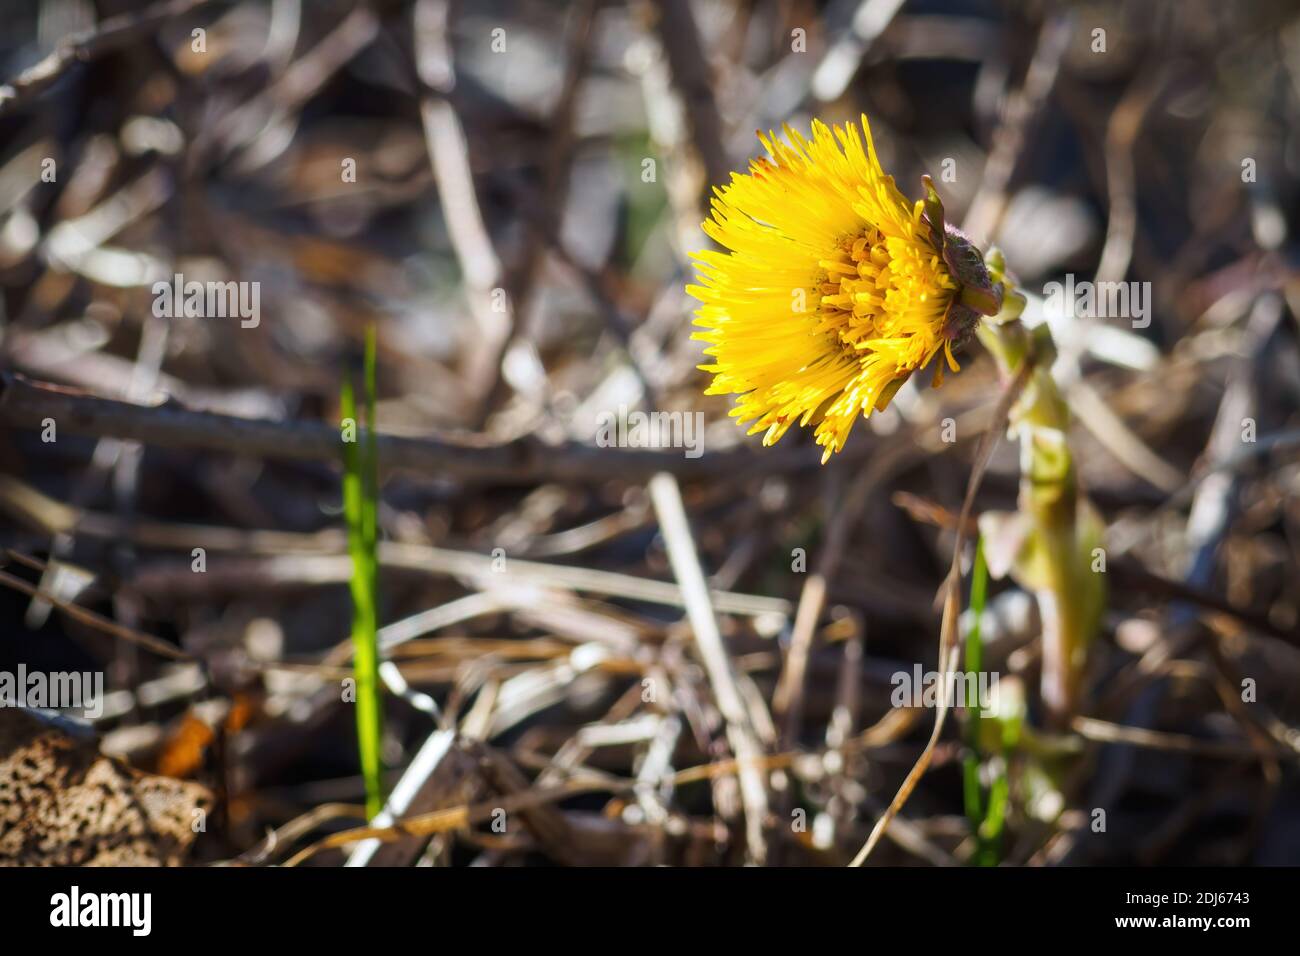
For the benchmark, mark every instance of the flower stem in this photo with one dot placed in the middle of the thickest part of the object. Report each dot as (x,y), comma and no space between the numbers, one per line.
(1058,555)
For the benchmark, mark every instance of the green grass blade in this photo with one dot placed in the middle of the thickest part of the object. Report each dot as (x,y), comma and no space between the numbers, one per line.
(990,831)
(974,658)
(972,793)
(360,507)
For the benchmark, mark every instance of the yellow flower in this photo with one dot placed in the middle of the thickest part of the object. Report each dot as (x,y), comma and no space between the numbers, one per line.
(835,288)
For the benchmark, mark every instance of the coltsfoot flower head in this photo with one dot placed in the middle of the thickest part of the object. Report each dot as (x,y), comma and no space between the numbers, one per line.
(835,288)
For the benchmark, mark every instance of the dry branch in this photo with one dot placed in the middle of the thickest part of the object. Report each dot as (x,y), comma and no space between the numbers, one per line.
(113,34)
(26,403)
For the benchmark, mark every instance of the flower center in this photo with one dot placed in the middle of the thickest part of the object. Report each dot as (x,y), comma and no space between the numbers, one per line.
(881,292)
(853,291)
